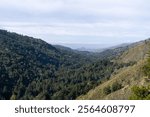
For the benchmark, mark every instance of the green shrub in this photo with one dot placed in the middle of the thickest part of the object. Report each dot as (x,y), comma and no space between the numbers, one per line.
(146,68)
(107,90)
(112,88)
(140,93)
(116,86)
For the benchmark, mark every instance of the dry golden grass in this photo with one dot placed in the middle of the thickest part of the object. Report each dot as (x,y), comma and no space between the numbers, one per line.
(128,76)
(135,53)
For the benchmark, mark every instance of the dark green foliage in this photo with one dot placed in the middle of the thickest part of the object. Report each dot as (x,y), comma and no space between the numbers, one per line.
(112,88)
(107,90)
(146,68)
(140,93)
(143,92)
(32,69)
(116,86)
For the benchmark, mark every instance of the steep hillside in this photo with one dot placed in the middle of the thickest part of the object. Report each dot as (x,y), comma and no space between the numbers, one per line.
(122,80)
(112,53)
(136,52)
(127,77)
(33,69)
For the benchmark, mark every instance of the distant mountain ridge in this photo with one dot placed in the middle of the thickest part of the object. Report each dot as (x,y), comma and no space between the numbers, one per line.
(98,50)
(127,77)
(33,69)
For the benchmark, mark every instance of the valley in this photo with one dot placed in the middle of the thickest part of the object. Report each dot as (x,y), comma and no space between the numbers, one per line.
(31,69)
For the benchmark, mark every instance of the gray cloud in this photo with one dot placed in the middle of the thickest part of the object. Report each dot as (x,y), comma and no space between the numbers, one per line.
(98,20)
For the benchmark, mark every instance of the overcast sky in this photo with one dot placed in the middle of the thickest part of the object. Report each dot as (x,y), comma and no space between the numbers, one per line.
(104,22)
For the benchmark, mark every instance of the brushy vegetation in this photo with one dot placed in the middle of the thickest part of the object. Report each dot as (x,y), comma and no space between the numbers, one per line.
(128,76)
(112,88)
(140,93)
(146,68)
(32,69)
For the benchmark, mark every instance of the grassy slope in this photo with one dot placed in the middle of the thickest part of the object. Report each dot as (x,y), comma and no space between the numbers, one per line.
(136,52)
(127,76)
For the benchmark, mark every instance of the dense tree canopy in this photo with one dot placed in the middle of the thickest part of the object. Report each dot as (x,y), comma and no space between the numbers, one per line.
(32,69)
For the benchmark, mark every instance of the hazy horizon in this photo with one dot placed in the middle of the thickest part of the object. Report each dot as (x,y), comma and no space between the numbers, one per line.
(80,46)
(78,23)
(87,46)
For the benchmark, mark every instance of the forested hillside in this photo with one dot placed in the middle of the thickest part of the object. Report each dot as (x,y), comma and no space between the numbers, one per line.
(129,82)
(33,69)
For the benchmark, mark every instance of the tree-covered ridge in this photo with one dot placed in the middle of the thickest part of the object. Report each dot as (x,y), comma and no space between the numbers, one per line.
(32,69)
(126,77)
(23,59)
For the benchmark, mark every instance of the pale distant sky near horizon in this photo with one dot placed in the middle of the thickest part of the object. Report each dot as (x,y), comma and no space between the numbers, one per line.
(83,22)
